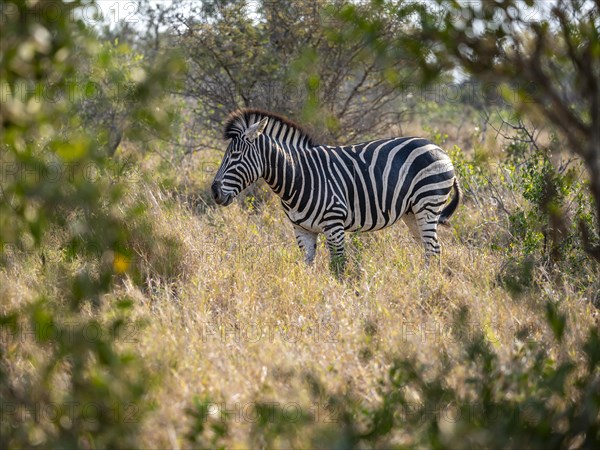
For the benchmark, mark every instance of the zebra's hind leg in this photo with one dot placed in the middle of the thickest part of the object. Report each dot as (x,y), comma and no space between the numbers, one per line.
(307,241)
(427,222)
(411,223)
(335,243)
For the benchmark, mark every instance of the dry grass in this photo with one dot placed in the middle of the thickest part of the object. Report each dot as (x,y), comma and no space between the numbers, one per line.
(237,318)
(246,320)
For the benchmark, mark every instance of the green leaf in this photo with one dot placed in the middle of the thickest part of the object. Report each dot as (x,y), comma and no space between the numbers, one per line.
(556,320)
(42,322)
(74,149)
(125,304)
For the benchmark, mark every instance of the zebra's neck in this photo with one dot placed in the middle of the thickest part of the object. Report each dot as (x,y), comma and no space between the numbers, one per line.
(282,168)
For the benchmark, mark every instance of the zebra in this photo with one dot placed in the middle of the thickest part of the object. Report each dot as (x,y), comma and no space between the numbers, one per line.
(334,189)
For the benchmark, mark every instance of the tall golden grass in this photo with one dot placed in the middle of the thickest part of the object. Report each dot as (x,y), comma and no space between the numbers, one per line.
(226,311)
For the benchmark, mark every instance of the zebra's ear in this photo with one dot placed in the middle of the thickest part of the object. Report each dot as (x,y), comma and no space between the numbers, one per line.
(256,129)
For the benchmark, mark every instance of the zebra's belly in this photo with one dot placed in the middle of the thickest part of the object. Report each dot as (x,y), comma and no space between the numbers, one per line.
(353,221)
(304,221)
(315,227)
(357,223)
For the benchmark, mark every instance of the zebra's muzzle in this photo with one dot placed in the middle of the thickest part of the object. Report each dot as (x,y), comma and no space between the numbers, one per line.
(217,193)
(225,200)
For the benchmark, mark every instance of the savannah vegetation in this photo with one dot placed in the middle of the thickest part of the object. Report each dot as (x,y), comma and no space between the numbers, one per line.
(135,313)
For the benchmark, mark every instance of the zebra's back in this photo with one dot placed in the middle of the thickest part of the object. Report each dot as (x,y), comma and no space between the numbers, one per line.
(379,181)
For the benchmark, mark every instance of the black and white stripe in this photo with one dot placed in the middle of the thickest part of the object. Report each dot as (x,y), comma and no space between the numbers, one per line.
(329,189)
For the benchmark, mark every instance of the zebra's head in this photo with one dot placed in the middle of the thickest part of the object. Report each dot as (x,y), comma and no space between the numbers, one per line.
(241,166)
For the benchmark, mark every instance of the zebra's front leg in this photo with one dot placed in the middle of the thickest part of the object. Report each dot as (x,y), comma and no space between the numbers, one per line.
(335,243)
(307,241)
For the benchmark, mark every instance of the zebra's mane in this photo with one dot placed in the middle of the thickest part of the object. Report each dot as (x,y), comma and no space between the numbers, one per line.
(240,120)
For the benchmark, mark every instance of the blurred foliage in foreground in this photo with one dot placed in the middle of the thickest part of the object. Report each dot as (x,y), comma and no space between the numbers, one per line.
(535,400)
(80,390)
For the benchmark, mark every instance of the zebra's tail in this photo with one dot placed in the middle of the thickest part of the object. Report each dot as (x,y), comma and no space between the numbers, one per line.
(451,207)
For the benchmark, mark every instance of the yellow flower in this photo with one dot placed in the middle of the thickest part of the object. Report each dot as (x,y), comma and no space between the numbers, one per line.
(120,263)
